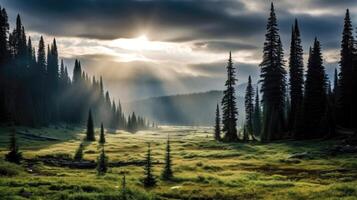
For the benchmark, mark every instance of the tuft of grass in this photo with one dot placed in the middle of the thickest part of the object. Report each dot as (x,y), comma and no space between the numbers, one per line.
(10,169)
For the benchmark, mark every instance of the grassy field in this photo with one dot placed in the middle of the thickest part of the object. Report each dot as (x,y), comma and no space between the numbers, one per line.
(203,168)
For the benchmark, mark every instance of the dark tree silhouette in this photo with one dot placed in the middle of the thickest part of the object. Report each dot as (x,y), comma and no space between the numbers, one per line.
(4,57)
(315,94)
(296,81)
(102,136)
(346,89)
(90,127)
(149,179)
(249,109)
(167,173)
(53,81)
(102,163)
(217,127)
(335,85)
(257,121)
(229,108)
(14,154)
(273,82)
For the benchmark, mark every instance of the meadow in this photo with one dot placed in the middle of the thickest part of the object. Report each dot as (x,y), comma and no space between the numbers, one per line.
(203,168)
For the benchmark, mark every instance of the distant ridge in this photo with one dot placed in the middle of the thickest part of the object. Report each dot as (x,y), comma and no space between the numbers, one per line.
(182,109)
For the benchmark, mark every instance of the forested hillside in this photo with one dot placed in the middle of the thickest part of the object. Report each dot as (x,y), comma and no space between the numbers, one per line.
(36,90)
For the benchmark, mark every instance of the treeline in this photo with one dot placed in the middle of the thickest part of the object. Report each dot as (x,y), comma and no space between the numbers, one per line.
(35,90)
(307,106)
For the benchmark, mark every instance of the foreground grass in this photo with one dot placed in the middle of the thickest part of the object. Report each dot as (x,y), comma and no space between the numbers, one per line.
(204,169)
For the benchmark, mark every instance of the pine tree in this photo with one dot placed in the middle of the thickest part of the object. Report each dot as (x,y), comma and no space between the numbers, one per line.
(167,173)
(149,179)
(102,163)
(39,83)
(296,80)
(217,127)
(273,82)
(4,58)
(346,89)
(245,133)
(315,94)
(41,55)
(90,127)
(77,71)
(53,80)
(14,154)
(229,108)
(78,156)
(4,31)
(102,137)
(249,108)
(257,121)
(17,42)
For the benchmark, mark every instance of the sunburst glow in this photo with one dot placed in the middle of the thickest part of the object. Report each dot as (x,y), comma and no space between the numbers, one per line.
(141,43)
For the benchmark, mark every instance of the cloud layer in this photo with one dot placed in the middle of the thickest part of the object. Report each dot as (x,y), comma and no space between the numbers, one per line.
(188,41)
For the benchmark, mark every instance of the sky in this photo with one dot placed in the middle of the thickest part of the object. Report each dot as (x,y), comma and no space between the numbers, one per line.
(150,48)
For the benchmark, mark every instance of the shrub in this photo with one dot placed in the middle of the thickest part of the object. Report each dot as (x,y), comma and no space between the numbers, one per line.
(9,169)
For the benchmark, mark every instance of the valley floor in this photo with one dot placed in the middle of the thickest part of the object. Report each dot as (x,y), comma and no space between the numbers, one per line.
(203,168)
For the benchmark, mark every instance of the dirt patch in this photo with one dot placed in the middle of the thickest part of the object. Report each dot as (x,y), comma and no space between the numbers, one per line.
(84,164)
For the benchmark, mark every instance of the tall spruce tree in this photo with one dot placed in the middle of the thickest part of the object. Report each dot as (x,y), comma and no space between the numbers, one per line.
(167,173)
(40,86)
(315,94)
(217,127)
(273,82)
(257,116)
(296,70)
(4,58)
(53,81)
(249,107)
(229,108)
(346,89)
(90,127)
(4,31)
(149,179)
(354,95)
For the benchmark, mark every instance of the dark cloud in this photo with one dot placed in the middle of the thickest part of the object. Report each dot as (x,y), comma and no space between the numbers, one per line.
(223,46)
(108,19)
(179,21)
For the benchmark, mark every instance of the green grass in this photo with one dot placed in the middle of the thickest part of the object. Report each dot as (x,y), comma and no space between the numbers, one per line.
(203,168)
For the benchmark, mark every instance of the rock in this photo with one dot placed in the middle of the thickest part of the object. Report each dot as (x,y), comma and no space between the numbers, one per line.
(301,155)
(176,187)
